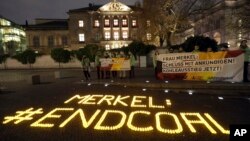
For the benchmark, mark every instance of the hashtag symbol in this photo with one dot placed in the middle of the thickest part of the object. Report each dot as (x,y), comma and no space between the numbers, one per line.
(22,116)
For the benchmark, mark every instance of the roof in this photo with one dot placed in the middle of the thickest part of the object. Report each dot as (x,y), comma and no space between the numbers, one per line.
(115,6)
(13,24)
(53,25)
(92,7)
(85,9)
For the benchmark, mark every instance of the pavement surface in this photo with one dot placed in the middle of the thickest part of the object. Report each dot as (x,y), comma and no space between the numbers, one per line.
(151,109)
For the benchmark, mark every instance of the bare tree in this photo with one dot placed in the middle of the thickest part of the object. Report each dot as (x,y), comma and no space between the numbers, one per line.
(240,20)
(172,16)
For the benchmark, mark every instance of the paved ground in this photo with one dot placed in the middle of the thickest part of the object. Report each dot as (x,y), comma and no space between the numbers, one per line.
(228,105)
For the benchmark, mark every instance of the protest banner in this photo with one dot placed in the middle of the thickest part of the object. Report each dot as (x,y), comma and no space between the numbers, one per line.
(115,64)
(202,66)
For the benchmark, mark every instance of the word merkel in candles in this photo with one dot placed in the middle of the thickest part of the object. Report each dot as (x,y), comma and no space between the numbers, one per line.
(146,115)
(111,100)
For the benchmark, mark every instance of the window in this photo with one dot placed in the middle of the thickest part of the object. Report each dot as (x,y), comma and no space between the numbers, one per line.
(106,23)
(36,41)
(81,23)
(148,23)
(97,37)
(51,41)
(217,24)
(116,46)
(134,23)
(125,34)
(240,36)
(116,22)
(149,36)
(240,22)
(64,40)
(81,37)
(4,22)
(107,35)
(116,35)
(107,47)
(124,22)
(97,23)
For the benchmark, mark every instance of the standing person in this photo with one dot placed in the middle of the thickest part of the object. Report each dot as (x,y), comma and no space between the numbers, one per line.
(180,50)
(107,70)
(209,49)
(132,65)
(98,65)
(114,72)
(101,68)
(86,67)
(122,73)
(155,63)
(246,49)
(196,49)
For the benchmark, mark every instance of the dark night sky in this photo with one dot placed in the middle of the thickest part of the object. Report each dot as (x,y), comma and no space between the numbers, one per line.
(21,10)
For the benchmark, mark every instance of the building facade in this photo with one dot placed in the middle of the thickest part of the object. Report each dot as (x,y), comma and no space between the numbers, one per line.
(115,25)
(112,25)
(47,34)
(222,22)
(12,37)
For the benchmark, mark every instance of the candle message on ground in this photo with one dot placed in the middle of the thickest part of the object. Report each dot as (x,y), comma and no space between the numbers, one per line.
(138,110)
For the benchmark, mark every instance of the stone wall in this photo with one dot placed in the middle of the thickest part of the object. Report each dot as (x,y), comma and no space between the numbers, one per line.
(42,62)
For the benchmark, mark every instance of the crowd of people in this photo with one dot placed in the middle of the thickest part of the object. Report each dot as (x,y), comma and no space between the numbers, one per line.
(243,47)
(106,72)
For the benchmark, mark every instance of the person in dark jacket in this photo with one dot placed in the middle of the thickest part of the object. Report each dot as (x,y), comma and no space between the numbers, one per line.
(86,67)
(246,49)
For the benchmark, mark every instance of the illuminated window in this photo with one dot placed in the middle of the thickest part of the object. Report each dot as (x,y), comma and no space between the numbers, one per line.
(240,22)
(81,23)
(107,47)
(107,35)
(51,41)
(64,40)
(124,22)
(134,23)
(125,34)
(36,41)
(149,36)
(97,23)
(106,23)
(81,37)
(148,23)
(115,46)
(116,35)
(240,36)
(4,22)
(116,23)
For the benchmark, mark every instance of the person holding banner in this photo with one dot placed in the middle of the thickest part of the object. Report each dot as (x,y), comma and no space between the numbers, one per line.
(114,73)
(107,71)
(122,73)
(86,66)
(132,65)
(196,49)
(155,63)
(246,49)
(98,65)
